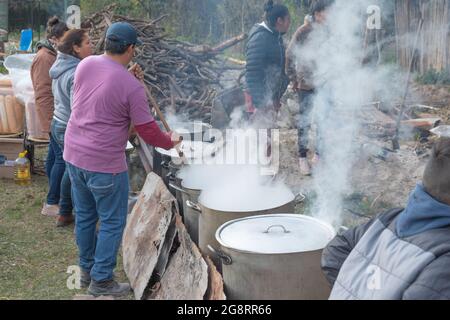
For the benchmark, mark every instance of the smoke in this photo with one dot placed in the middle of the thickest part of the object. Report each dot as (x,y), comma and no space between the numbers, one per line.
(343,85)
(236,188)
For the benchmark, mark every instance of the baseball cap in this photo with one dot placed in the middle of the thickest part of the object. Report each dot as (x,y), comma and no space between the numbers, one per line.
(124,33)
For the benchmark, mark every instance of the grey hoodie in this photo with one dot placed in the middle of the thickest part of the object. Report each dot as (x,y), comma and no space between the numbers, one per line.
(63,73)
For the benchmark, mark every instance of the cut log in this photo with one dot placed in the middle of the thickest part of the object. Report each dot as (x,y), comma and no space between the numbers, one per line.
(422,123)
(145,233)
(230,43)
(215,286)
(186,277)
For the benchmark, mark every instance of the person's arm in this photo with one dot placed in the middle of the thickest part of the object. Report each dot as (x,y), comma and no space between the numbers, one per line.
(255,75)
(70,90)
(144,123)
(291,69)
(153,135)
(337,251)
(433,283)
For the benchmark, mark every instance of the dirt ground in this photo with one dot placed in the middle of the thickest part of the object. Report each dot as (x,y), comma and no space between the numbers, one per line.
(377,184)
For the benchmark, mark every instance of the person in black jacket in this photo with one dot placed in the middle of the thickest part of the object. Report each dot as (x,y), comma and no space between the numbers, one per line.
(266,79)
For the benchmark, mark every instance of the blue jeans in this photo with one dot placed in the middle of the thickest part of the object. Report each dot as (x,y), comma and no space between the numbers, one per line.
(65,202)
(55,167)
(99,197)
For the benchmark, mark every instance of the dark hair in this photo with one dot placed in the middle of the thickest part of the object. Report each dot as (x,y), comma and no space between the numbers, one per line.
(56,28)
(274,11)
(436,178)
(320,5)
(114,47)
(72,38)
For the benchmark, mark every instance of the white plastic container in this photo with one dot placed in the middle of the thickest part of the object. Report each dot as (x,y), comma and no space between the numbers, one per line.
(19,67)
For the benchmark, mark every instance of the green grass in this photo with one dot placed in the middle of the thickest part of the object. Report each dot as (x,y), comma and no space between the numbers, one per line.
(433,77)
(34,254)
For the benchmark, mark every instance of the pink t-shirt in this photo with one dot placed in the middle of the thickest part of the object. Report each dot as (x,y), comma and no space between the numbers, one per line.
(106,99)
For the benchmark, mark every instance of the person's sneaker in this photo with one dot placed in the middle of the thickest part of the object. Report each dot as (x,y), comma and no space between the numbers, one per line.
(65,221)
(85,280)
(109,288)
(50,210)
(305,168)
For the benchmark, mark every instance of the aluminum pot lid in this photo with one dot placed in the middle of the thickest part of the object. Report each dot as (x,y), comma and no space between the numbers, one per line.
(275,234)
(191,150)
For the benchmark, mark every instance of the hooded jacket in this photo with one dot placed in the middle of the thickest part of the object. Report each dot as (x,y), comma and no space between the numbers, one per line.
(266,80)
(42,83)
(400,255)
(63,73)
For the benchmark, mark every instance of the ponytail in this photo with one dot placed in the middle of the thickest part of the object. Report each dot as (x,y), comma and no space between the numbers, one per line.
(273,12)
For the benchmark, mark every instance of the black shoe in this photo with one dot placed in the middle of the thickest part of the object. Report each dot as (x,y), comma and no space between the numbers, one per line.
(85,280)
(109,288)
(65,221)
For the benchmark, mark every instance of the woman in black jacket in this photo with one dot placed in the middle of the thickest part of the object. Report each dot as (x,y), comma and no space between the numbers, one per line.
(266,80)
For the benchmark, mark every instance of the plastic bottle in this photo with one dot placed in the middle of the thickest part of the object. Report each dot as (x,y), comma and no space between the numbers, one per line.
(22,170)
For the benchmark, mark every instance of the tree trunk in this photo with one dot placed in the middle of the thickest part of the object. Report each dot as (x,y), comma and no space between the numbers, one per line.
(434,44)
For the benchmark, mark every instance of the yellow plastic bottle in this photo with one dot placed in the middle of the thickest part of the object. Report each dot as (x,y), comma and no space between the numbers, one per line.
(22,170)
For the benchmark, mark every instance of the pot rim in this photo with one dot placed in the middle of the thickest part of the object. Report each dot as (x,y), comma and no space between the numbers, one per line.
(333,233)
(247,211)
(189,189)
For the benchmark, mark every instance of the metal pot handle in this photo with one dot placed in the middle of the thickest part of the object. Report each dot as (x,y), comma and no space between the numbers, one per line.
(342,230)
(277,226)
(165,165)
(193,206)
(226,259)
(177,188)
(300,197)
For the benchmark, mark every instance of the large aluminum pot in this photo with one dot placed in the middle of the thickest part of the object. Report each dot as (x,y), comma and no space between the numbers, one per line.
(274,257)
(212,218)
(189,194)
(192,150)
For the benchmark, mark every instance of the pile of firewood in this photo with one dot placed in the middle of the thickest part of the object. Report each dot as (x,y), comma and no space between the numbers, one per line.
(184,78)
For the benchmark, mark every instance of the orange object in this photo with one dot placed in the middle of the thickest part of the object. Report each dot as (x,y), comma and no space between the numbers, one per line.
(13,125)
(5,83)
(3,116)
